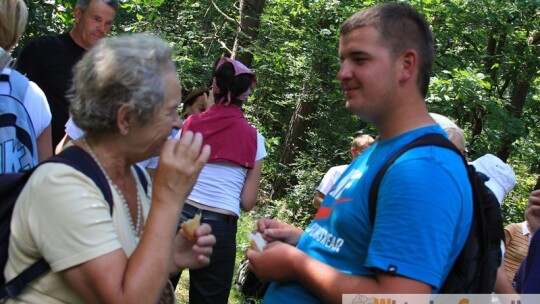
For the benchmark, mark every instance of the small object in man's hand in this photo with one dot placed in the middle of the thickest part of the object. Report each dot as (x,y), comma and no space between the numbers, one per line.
(256,241)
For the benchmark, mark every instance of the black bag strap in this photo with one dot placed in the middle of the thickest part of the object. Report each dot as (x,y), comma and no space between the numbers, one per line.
(142,178)
(430,139)
(14,287)
(82,161)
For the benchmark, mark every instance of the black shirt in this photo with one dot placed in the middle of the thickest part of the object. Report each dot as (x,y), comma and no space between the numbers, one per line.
(49,61)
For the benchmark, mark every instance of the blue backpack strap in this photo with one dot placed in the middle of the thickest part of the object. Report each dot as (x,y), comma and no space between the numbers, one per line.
(19,85)
(83,162)
(430,139)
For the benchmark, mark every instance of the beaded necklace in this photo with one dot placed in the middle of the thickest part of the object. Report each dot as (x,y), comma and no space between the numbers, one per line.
(136,228)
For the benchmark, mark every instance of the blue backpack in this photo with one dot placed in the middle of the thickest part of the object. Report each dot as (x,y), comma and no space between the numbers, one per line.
(18,146)
(11,185)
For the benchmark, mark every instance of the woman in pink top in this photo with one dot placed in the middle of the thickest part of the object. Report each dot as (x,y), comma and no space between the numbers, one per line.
(229,182)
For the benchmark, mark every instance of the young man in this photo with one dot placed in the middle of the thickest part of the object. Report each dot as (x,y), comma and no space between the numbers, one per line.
(49,60)
(359,144)
(424,206)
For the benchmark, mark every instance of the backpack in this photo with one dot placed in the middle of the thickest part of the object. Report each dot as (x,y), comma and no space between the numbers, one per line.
(18,145)
(475,269)
(11,185)
(248,283)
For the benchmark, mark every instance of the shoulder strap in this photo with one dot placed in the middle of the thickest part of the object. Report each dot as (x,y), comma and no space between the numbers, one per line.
(430,139)
(142,178)
(19,85)
(82,161)
(14,287)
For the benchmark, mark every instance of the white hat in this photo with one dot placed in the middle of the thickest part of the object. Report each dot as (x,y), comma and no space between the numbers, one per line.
(502,178)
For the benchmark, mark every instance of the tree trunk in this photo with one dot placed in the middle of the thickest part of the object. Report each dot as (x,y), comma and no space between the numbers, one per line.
(298,125)
(526,73)
(478,112)
(515,109)
(250,21)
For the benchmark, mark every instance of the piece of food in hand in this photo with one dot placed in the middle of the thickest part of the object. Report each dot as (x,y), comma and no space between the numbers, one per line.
(190,226)
(256,241)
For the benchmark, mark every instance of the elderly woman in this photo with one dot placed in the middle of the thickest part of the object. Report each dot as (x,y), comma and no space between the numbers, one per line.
(124,96)
(230,181)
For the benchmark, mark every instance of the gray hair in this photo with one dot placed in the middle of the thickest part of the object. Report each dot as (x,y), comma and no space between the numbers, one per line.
(126,69)
(455,133)
(13,18)
(83,4)
(362,142)
(401,27)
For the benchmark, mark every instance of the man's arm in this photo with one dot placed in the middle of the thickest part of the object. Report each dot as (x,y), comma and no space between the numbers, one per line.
(66,139)
(502,283)
(318,198)
(282,262)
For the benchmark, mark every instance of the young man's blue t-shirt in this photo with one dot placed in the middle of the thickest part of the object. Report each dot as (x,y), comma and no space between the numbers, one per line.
(424,212)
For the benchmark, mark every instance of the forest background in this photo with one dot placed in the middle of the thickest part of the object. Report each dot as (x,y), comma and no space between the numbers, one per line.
(486,77)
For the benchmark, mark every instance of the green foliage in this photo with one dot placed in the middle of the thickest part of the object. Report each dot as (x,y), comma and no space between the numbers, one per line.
(46,18)
(481,47)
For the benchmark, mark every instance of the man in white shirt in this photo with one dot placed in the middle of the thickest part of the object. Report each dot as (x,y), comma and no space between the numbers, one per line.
(359,144)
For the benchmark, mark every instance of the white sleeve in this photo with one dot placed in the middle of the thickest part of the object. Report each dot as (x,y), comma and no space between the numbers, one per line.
(261,148)
(72,130)
(36,103)
(326,182)
(330,178)
(150,163)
